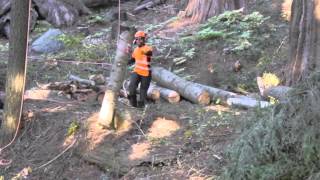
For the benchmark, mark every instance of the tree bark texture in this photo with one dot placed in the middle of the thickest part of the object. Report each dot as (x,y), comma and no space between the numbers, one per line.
(201,10)
(107,110)
(16,72)
(186,89)
(304,43)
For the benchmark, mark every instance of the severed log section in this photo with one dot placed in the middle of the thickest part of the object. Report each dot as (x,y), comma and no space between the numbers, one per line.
(170,95)
(278,92)
(186,89)
(247,102)
(147,5)
(107,111)
(216,93)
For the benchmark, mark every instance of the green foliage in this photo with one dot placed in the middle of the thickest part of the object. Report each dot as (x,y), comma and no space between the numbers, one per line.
(70,41)
(42,26)
(95,19)
(238,32)
(73,127)
(77,49)
(281,142)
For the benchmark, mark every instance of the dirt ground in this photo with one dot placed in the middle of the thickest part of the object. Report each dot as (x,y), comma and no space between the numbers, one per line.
(162,141)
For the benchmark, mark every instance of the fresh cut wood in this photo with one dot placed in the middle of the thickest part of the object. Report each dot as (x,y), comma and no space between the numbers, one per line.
(186,89)
(107,111)
(170,95)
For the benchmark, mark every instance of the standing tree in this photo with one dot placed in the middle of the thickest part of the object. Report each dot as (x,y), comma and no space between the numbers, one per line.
(304,45)
(201,10)
(16,71)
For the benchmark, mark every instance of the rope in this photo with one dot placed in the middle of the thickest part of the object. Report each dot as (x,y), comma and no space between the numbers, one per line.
(3,161)
(56,157)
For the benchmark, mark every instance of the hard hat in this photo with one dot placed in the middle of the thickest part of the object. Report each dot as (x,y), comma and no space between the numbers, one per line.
(140,34)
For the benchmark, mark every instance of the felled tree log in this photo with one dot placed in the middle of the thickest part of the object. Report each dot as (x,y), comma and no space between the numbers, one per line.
(147,5)
(278,92)
(107,110)
(247,102)
(170,95)
(216,93)
(61,12)
(186,89)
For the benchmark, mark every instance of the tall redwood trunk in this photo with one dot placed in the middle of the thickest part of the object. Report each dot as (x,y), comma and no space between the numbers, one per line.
(201,10)
(304,42)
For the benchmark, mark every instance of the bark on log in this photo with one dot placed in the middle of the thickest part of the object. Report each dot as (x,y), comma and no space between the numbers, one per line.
(216,93)
(107,110)
(247,102)
(170,95)
(278,92)
(186,89)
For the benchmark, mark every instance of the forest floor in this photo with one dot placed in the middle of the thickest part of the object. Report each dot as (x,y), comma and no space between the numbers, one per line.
(165,141)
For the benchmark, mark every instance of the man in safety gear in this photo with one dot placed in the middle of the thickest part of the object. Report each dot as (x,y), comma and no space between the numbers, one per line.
(141,57)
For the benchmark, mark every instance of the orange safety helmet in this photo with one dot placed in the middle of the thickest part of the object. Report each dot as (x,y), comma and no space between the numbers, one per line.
(140,34)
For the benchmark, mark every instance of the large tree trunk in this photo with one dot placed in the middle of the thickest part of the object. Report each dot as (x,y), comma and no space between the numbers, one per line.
(107,110)
(187,89)
(16,72)
(201,10)
(304,42)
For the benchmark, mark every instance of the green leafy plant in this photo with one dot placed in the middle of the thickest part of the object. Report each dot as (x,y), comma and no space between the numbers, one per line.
(237,31)
(73,128)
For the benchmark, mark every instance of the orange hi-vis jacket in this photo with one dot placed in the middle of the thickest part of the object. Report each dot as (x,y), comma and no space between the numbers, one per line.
(142,64)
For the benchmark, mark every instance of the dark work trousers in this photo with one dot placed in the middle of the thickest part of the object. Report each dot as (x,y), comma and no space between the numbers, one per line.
(144,81)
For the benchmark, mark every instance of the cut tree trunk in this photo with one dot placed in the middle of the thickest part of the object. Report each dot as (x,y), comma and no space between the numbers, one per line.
(278,92)
(186,89)
(107,110)
(170,95)
(201,10)
(216,93)
(247,102)
(16,71)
